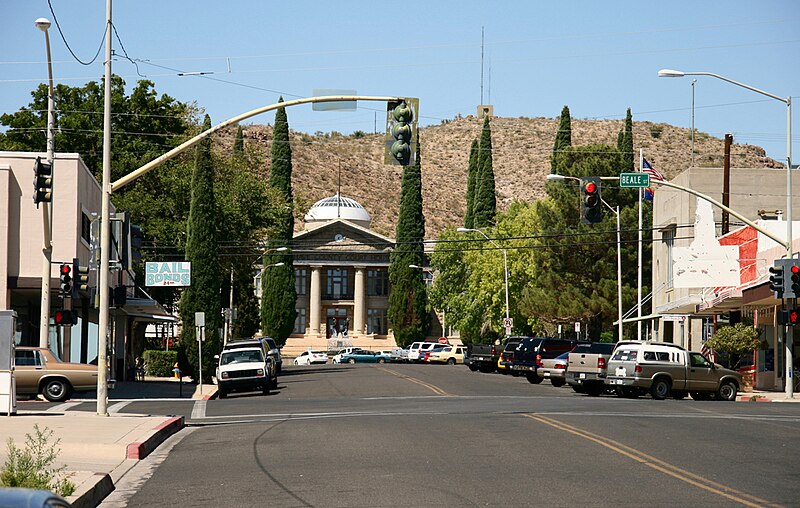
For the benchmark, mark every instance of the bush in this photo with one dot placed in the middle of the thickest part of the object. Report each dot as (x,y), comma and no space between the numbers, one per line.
(160,363)
(31,467)
(655,130)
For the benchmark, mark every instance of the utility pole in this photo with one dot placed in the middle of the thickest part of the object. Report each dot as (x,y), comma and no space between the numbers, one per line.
(726,184)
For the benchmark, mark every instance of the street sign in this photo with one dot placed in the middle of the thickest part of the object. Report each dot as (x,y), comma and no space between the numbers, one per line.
(577,327)
(508,322)
(634,180)
(199,319)
(674,317)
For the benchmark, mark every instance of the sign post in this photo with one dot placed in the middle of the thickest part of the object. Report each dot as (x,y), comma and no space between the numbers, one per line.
(200,330)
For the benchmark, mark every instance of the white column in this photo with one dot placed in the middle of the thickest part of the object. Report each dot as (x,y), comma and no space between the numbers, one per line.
(315,301)
(360,297)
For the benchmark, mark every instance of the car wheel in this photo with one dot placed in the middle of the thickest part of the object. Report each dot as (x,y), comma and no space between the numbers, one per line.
(56,390)
(381,360)
(558,383)
(451,361)
(660,388)
(222,394)
(727,391)
(351,360)
(533,379)
(296,362)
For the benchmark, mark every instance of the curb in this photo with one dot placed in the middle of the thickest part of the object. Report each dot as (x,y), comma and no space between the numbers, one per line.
(139,451)
(94,494)
(752,398)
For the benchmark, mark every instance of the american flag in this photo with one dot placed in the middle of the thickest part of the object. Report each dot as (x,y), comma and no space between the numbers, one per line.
(653,172)
(707,351)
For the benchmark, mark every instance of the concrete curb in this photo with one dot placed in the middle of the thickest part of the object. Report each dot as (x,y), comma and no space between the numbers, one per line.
(138,451)
(92,492)
(752,398)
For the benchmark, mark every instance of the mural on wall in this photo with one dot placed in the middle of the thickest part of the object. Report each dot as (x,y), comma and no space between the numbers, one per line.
(705,263)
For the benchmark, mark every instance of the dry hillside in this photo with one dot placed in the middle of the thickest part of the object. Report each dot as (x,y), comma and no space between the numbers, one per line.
(521,147)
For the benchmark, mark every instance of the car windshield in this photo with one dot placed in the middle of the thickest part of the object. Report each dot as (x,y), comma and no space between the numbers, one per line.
(563,356)
(240,356)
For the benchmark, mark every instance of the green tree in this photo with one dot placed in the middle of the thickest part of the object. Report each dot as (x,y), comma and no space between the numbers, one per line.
(202,251)
(238,142)
(735,340)
(472,174)
(485,201)
(408,302)
(626,151)
(247,315)
(563,136)
(279,297)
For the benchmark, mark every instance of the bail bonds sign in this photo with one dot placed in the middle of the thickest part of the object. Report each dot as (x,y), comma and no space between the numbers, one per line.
(175,273)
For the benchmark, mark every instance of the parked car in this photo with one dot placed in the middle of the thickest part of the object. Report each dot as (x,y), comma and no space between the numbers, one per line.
(400,355)
(267,343)
(363,356)
(450,355)
(243,369)
(413,351)
(484,357)
(417,354)
(337,358)
(588,367)
(554,369)
(530,352)
(426,357)
(37,370)
(665,369)
(508,355)
(310,357)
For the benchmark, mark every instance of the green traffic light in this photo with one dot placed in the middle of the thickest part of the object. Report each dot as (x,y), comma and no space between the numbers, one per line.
(403,113)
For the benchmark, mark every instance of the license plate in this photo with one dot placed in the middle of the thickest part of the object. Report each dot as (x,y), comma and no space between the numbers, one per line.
(618,381)
(546,374)
(582,376)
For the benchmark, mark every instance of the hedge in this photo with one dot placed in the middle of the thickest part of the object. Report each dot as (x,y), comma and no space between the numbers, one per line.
(160,363)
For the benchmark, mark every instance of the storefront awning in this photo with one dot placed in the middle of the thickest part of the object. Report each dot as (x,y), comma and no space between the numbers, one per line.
(147,309)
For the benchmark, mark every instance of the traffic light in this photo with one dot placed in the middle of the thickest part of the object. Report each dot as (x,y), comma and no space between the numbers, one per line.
(64,317)
(66,280)
(789,317)
(80,282)
(794,280)
(42,182)
(591,203)
(401,127)
(776,280)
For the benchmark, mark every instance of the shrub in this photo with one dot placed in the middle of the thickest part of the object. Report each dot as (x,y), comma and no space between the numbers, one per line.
(31,467)
(655,130)
(359,134)
(160,363)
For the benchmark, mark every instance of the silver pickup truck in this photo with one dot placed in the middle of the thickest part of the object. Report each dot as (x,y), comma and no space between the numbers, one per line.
(664,370)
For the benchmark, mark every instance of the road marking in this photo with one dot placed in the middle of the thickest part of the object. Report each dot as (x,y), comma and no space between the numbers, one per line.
(199,409)
(434,389)
(657,464)
(63,407)
(116,408)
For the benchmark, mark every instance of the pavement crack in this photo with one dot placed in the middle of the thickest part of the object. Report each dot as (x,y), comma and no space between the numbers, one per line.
(270,475)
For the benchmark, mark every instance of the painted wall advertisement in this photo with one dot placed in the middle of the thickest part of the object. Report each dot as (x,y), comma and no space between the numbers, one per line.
(173,273)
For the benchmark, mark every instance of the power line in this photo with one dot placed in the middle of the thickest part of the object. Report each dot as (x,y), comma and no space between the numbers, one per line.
(55,18)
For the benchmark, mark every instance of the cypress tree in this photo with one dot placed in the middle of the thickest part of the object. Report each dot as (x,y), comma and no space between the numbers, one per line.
(238,143)
(620,136)
(472,170)
(485,200)
(627,144)
(563,136)
(247,316)
(408,303)
(202,252)
(278,296)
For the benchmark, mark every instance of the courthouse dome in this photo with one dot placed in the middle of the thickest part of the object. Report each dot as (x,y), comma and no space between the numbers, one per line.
(337,207)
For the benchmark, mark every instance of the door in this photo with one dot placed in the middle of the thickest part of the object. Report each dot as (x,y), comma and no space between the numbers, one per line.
(702,375)
(337,323)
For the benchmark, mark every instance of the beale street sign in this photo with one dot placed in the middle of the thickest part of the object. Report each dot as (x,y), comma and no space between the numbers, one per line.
(634,180)
(173,273)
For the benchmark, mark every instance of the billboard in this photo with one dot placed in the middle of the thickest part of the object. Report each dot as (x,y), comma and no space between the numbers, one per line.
(168,273)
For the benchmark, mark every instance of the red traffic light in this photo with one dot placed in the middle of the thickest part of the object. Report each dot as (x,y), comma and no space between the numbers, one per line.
(795,269)
(590,188)
(65,269)
(793,317)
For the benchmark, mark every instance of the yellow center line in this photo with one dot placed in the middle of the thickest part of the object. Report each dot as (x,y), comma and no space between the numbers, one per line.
(657,464)
(434,389)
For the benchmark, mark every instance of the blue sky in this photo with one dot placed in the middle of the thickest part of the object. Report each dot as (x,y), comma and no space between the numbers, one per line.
(599,58)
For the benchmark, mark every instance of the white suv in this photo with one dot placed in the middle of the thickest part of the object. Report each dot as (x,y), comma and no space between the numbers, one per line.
(244,369)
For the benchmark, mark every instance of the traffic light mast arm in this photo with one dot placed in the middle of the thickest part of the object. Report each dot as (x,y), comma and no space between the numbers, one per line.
(784,243)
(125,180)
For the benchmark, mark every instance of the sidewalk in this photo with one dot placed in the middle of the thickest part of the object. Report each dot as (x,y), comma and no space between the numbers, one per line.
(764,396)
(99,450)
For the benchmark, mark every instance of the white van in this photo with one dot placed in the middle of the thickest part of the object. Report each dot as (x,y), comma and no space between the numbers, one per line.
(418,349)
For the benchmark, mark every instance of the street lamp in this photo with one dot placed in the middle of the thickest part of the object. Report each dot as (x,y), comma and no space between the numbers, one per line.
(505,259)
(555,177)
(670,73)
(43,24)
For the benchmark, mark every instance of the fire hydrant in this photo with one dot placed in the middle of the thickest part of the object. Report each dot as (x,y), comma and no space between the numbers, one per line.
(176,371)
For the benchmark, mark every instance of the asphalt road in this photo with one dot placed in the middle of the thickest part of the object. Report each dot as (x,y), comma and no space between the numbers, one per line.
(425,435)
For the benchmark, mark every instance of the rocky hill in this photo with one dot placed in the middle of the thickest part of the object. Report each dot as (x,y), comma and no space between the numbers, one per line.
(521,146)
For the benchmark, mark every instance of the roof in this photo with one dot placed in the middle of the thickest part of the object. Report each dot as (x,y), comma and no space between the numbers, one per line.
(338,207)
